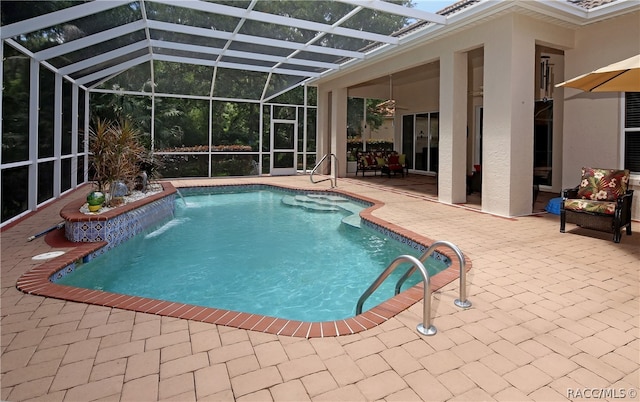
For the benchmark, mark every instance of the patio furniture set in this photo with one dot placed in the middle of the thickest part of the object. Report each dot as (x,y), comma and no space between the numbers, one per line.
(385,162)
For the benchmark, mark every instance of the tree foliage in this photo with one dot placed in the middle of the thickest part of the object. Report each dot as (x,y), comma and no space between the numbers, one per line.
(184,121)
(355,116)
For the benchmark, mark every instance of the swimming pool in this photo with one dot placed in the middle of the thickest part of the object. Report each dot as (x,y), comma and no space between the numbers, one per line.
(266,252)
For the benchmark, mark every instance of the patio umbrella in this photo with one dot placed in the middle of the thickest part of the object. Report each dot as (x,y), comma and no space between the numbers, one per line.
(623,76)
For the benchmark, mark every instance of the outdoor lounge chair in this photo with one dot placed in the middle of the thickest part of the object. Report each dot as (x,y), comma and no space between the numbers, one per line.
(394,163)
(601,202)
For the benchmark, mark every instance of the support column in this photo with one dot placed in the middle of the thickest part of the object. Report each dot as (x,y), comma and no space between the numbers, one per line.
(34,116)
(339,129)
(509,84)
(57,137)
(74,135)
(323,139)
(85,149)
(452,177)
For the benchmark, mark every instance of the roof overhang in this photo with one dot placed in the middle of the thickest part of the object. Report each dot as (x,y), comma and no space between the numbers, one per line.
(563,13)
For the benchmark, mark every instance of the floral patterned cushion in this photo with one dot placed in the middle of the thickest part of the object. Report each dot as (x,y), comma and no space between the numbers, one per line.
(367,160)
(582,205)
(603,184)
(376,159)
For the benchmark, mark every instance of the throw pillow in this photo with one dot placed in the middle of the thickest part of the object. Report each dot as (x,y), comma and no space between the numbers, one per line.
(368,160)
(603,184)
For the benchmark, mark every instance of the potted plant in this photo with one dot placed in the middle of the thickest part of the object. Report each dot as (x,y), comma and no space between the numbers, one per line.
(354,145)
(116,157)
(352,163)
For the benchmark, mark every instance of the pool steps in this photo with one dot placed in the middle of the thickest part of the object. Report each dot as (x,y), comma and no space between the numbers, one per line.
(326,203)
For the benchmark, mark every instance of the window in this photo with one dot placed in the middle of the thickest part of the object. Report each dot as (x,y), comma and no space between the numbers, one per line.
(632,132)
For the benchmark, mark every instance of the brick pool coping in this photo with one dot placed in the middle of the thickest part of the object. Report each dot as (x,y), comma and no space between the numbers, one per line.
(37,281)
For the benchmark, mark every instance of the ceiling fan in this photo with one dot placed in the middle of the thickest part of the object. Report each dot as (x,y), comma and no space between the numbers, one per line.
(390,105)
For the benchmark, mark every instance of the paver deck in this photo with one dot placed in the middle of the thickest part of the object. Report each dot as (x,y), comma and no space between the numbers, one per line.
(554,317)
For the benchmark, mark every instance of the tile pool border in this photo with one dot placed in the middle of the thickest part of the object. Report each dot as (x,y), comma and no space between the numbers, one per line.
(37,282)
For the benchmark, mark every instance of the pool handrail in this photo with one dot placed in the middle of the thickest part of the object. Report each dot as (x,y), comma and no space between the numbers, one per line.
(425,327)
(461,302)
(333,175)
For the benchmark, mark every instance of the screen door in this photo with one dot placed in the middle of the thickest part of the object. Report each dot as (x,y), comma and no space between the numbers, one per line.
(284,136)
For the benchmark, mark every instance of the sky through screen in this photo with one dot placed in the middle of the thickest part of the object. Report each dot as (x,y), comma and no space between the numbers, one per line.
(432,5)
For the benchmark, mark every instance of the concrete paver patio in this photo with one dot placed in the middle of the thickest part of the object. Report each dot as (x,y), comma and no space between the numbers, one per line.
(554,317)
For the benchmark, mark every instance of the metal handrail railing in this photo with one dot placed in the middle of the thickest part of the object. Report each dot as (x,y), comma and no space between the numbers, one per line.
(462,302)
(333,175)
(425,327)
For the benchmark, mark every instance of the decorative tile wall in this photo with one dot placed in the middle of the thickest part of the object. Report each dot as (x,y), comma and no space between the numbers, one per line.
(122,227)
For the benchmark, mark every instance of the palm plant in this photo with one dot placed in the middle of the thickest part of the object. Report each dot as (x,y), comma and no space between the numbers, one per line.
(116,153)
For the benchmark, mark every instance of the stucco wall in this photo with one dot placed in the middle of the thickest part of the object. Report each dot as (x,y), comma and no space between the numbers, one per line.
(593,122)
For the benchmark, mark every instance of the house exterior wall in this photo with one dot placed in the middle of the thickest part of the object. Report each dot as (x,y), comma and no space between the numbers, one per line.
(417,97)
(593,122)
(509,42)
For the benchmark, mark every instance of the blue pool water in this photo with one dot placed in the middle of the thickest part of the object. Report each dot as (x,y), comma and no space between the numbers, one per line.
(250,252)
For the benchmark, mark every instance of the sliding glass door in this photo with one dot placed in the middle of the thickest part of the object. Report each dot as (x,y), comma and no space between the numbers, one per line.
(420,137)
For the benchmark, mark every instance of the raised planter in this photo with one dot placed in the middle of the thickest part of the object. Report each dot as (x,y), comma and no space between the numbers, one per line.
(119,224)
